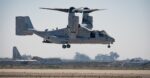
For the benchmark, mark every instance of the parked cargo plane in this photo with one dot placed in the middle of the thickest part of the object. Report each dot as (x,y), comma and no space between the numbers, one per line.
(74,33)
(18,57)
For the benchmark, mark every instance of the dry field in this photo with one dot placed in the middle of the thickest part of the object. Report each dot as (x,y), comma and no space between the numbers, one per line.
(71,73)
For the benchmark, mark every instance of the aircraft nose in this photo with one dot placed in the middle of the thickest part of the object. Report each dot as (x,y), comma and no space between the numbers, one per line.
(112,40)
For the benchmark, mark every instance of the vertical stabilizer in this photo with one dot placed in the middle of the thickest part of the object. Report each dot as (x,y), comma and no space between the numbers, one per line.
(16,54)
(23,25)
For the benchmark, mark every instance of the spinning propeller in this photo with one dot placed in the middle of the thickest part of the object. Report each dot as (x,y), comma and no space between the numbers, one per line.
(74,10)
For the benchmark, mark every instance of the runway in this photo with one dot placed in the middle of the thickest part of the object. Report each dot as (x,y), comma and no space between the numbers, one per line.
(71,73)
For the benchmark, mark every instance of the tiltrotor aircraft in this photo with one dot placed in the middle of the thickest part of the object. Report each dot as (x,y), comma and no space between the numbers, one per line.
(74,33)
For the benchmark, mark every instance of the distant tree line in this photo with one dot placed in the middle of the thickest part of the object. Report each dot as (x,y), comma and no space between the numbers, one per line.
(112,56)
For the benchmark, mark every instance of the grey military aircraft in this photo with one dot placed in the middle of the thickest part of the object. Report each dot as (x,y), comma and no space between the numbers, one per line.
(74,33)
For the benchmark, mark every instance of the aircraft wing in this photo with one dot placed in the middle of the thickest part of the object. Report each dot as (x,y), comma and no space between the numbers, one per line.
(86,28)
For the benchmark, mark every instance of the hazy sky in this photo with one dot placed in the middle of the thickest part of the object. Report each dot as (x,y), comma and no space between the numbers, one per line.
(128,21)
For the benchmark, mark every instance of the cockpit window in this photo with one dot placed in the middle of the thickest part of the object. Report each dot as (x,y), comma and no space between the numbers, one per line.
(101,34)
(104,32)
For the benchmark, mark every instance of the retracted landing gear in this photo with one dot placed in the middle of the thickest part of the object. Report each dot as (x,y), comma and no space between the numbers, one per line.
(66,46)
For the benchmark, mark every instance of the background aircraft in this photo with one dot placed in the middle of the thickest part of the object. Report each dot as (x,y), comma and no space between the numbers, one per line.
(18,57)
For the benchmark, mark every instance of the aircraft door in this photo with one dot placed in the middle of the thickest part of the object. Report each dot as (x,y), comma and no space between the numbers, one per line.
(92,34)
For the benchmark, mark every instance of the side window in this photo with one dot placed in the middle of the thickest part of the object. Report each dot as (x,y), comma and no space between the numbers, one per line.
(92,35)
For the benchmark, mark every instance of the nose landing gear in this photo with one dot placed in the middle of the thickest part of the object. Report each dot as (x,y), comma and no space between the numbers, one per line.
(108,46)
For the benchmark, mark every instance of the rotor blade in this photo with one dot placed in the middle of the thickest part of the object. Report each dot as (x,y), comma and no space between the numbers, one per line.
(92,10)
(57,9)
(80,10)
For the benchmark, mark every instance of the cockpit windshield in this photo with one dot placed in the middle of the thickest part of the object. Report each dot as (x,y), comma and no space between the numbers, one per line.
(102,33)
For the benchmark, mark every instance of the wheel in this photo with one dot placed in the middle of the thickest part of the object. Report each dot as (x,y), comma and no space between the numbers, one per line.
(109,46)
(68,46)
(44,41)
(64,46)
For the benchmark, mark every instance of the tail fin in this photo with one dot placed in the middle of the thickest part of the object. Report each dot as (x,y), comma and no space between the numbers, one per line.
(16,54)
(23,25)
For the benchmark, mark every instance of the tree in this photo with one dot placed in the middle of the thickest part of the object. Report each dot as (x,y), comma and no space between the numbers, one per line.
(114,55)
(106,58)
(81,57)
